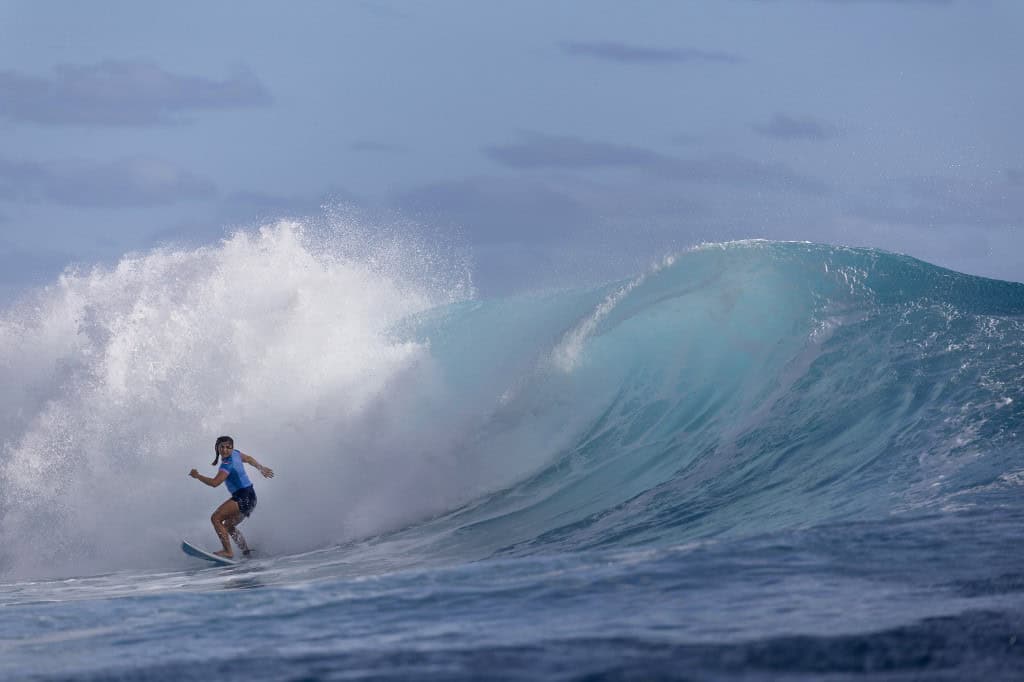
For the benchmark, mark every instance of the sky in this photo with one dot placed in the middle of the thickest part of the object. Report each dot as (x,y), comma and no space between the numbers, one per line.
(552,140)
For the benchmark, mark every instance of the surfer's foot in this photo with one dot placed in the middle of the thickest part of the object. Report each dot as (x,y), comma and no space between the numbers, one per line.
(246,552)
(226,555)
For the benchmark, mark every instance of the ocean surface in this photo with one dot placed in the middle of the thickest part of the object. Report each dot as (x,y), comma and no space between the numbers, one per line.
(751,460)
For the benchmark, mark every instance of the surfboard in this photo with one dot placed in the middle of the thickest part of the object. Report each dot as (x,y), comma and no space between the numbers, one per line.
(190,549)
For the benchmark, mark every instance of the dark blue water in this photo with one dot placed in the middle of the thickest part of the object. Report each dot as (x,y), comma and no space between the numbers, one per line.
(754,461)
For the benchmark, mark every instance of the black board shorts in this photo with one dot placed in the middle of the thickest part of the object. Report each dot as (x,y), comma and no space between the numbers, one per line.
(246,499)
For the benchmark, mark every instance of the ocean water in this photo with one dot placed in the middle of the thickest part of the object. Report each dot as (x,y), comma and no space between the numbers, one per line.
(751,460)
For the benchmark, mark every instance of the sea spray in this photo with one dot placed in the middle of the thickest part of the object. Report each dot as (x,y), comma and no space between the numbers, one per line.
(118,379)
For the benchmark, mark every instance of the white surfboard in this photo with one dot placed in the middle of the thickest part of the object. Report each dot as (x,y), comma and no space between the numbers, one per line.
(190,549)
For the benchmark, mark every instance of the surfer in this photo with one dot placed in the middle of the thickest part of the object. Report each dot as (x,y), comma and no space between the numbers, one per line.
(243,498)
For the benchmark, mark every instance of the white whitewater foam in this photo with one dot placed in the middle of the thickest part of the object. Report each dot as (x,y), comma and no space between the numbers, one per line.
(118,380)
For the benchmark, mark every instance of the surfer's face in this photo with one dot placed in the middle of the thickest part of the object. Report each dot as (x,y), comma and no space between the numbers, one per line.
(224,449)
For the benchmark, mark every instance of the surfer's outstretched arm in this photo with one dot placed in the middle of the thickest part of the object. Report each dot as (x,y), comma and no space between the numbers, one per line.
(212,482)
(266,471)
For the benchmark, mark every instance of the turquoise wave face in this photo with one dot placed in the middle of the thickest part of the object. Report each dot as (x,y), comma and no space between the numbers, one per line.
(736,389)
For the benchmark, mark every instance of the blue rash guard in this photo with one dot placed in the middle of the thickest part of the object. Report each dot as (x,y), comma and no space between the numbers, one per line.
(237,478)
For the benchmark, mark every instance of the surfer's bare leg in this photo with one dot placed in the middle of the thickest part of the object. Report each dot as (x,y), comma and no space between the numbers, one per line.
(224,520)
(239,539)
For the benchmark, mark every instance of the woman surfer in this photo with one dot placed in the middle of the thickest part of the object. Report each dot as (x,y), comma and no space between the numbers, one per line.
(243,498)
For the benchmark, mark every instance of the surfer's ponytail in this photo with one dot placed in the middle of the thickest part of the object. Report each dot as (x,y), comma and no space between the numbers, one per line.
(222,439)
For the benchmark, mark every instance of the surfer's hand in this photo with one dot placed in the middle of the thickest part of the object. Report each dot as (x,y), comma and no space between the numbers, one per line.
(267,472)
(194,473)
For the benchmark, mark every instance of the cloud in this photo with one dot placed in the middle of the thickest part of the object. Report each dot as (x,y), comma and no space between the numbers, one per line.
(490,210)
(540,151)
(252,207)
(940,201)
(933,3)
(787,127)
(375,146)
(121,93)
(735,171)
(125,183)
(635,54)
(384,10)
(684,139)
(531,234)
(20,266)
(878,2)
(889,2)
(249,208)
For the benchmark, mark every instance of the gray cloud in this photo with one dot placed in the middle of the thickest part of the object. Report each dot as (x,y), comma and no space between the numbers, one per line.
(937,201)
(636,54)
(375,146)
(934,3)
(115,93)
(736,171)
(684,139)
(876,2)
(127,182)
(787,127)
(890,2)
(21,266)
(384,10)
(529,234)
(248,208)
(540,151)
(489,210)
